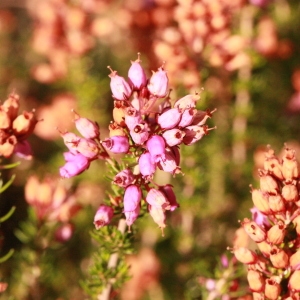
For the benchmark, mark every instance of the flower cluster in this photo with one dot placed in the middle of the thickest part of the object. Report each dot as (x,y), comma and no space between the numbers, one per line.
(274,269)
(147,127)
(14,128)
(52,203)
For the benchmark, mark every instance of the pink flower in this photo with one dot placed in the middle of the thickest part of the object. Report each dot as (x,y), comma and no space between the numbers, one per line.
(140,133)
(136,74)
(158,215)
(157,147)
(146,166)
(187,101)
(169,119)
(157,198)
(117,144)
(132,198)
(187,117)
(75,164)
(158,85)
(132,117)
(194,133)
(103,216)
(169,193)
(86,127)
(124,178)
(120,88)
(131,216)
(88,148)
(71,140)
(173,136)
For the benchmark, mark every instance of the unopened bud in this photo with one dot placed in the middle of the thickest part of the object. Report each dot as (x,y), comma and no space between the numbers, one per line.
(276,203)
(290,193)
(268,183)
(136,74)
(276,234)
(158,85)
(169,119)
(87,128)
(245,255)
(120,88)
(260,201)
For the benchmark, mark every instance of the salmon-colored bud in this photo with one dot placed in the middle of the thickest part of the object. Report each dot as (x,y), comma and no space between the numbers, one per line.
(272,288)
(290,193)
(294,281)
(245,255)
(260,200)
(119,116)
(289,165)
(265,248)
(276,203)
(5,120)
(7,148)
(11,105)
(295,260)
(256,233)
(279,258)
(256,281)
(158,215)
(268,183)
(276,234)
(272,164)
(24,124)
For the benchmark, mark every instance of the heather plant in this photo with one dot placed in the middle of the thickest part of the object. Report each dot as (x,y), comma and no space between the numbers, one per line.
(130,227)
(148,129)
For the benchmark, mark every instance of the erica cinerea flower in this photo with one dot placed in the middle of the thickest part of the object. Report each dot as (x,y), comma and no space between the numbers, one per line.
(274,228)
(15,129)
(148,131)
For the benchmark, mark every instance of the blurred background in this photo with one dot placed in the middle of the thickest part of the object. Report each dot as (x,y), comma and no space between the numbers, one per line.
(244,58)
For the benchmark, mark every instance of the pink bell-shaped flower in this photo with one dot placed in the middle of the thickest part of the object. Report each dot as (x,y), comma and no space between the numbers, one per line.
(75,164)
(120,88)
(103,216)
(132,197)
(146,166)
(87,128)
(157,198)
(117,144)
(136,74)
(124,178)
(169,119)
(140,133)
(158,85)
(157,147)
(173,136)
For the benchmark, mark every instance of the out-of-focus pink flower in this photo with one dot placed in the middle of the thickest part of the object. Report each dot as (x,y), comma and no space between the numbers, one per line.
(64,232)
(75,164)
(103,216)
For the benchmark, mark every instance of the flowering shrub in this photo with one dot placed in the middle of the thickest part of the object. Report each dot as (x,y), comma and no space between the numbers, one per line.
(273,268)
(148,128)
